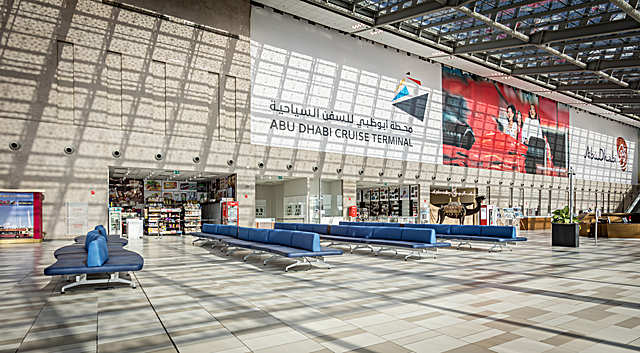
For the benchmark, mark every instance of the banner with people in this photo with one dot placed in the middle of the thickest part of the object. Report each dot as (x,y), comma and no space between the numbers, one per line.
(489,125)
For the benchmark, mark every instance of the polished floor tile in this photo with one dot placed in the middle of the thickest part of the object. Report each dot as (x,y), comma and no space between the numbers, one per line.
(196,299)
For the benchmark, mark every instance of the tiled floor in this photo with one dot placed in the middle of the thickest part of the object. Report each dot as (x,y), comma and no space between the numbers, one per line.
(193,299)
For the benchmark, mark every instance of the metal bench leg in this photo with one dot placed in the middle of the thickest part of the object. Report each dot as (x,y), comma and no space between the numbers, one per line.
(197,240)
(495,248)
(366,246)
(298,262)
(229,250)
(435,253)
(464,243)
(320,261)
(249,255)
(412,254)
(113,278)
(269,259)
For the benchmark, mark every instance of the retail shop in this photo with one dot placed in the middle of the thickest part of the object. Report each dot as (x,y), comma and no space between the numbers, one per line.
(297,200)
(168,202)
(388,203)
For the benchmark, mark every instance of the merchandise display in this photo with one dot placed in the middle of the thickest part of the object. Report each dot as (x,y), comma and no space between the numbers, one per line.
(388,203)
(166,205)
(191,217)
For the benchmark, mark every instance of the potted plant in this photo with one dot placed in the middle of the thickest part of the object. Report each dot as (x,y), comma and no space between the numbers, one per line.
(564,228)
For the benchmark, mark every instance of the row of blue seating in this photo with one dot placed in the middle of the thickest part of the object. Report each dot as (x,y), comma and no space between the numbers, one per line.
(302,246)
(95,253)
(386,238)
(500,236)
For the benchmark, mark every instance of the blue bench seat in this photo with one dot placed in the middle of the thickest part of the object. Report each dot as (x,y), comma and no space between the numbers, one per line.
(500,236)
(80,249)
(386,238)
(110,239)
(125,261)
(94,255)
(298,245)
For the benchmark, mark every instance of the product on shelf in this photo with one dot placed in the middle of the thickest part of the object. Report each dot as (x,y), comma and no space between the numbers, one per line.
(191,217)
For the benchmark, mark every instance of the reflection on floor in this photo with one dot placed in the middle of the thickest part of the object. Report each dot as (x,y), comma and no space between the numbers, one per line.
(193,299)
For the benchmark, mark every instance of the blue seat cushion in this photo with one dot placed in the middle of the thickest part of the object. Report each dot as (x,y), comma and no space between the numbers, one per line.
(243,233)
(419,235)
(72,265)
(361,232)
(344,239)
(110,239)
(438,228)
(466,230)
(390,233)
(91,236)
(97,253)
(229,230)
(305,240)
(399,243)
(313,228)
(280,237)
(475,238)
(344,231)
(259,235)
(286,226)
(78,249)
(100,228)
(210,228)
(499,231)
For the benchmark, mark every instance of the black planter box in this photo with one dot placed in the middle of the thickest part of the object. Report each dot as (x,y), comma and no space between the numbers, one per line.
(565,234)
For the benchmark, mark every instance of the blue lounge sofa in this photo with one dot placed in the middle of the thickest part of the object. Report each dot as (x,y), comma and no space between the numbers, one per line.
(499,236)
(301,246)
(385,238)
(111,239)
(97,257)
(114,243)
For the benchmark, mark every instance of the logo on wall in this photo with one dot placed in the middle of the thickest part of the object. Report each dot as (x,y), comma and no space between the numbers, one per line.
(409,99)
(623,153)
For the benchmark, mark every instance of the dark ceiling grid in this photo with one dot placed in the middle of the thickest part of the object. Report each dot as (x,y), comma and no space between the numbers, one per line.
(563,36)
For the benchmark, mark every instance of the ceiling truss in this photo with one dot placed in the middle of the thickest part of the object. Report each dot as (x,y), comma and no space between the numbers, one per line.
(587,49)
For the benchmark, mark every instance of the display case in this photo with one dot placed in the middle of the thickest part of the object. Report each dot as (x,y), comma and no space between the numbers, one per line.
(191,217)
(115,221)
(384,194)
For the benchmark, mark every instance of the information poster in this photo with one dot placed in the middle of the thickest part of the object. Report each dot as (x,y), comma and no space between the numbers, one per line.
(16,215)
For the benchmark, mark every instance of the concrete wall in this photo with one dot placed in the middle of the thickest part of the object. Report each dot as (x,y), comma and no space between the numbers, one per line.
(100,78)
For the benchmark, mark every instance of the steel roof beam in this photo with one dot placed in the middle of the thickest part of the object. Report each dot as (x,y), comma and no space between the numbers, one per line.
(635,111)
(616,100)
(628,9)
(594,66)
(547,37)
(604,86)
(422,9)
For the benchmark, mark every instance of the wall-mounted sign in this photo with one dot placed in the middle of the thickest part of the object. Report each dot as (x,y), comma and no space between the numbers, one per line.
(317,92)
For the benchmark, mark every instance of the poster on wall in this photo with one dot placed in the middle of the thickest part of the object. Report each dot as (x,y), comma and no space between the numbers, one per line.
(323,91)
(16,215)
(170,185)
(600,155)
(489,125)
(152,185)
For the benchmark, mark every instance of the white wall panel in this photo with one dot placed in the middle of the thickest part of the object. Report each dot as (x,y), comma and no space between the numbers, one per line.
(297,67)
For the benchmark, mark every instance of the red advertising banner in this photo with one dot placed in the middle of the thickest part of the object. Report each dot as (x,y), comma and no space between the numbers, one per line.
(490,125)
